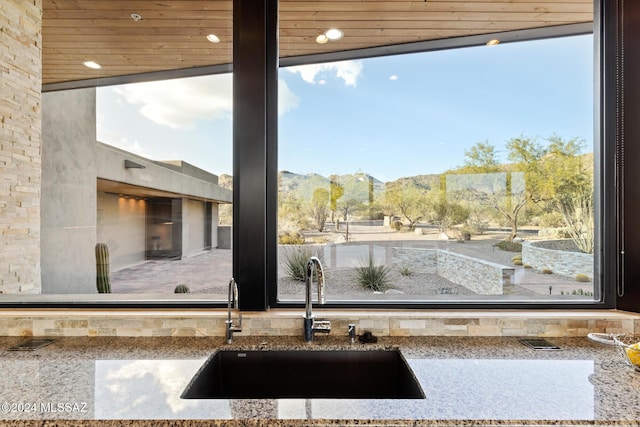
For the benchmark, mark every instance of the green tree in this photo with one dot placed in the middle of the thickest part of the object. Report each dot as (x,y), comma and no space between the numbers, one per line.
(484,181)
(445,214)
(336,191)
(559,179)
(408,201)
(348,208)
(572,189)
(481,158)
(291,215)
(541,174)
(319,204)
(577,212)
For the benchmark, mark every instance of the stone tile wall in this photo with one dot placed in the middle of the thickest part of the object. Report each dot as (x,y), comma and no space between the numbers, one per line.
(289,323)
(20,146)
(480,276)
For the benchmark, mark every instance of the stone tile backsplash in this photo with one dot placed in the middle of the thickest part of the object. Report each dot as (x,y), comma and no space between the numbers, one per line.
(289,323)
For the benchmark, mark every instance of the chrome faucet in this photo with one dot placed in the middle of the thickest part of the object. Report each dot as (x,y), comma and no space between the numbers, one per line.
(351,330)
(233,300)
(311,326)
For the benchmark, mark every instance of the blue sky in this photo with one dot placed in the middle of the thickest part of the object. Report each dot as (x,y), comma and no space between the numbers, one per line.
(390,117)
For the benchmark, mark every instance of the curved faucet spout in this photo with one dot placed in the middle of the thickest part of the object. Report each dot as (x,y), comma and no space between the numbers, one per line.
(313,264)
(310,325)
(232,300)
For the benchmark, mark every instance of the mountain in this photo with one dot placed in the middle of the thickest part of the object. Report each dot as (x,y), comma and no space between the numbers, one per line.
(225,181)
(357,186)
(423,182)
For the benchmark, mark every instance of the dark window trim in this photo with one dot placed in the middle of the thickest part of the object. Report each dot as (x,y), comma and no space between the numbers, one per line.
(444,44)
(139,78)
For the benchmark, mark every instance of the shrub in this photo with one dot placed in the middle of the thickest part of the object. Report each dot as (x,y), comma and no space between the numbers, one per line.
(319,239)
(295,260)
(516,258)
(551,220)
(478,226)
(397,225)
(291,238)
(527,266)
(181,289)
(517,262)
(509,246)
(371,276)
(463,234)
(582,278)
(406,271)
(546,271)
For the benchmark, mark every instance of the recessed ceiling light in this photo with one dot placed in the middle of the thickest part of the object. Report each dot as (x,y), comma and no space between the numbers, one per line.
(136,17)
(322,39)
(334,34)
(213,38)
(493,42)
(92,64)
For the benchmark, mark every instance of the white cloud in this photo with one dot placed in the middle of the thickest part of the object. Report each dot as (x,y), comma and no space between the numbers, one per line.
(393,78)
(179,103)
(287,100)
(114,139)
(348,71)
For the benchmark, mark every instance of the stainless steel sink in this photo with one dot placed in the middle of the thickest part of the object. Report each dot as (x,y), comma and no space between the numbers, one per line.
(305,374)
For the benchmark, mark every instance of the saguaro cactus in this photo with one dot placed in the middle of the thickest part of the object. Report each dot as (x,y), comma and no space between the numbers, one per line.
(102,268)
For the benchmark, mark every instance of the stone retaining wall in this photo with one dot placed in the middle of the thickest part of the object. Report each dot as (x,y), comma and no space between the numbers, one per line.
(480,276)
(420,260)
(550,254)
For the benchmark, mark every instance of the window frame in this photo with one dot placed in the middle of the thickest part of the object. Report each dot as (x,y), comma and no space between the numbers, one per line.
(261,291)
(604,172)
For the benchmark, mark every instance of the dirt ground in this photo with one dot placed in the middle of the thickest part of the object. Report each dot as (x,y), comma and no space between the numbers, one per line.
(363,236)
(209,272)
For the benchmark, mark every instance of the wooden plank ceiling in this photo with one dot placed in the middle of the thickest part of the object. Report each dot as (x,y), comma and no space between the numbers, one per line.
(172,33)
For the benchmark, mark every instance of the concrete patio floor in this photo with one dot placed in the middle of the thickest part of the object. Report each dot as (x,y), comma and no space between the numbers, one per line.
(207,272)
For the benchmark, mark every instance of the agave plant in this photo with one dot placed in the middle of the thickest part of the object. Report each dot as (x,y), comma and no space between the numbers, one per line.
(371,276)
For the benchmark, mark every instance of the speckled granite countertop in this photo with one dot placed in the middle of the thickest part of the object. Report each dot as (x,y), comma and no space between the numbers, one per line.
(467,381)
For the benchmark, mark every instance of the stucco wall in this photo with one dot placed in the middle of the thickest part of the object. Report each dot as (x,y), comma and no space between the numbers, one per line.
(215,219)
(193,217)
(69,192)
(158,175)
(121,225)
(20,145)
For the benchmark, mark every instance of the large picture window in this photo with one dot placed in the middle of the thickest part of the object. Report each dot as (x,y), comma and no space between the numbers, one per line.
(422,166)
(455,175)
